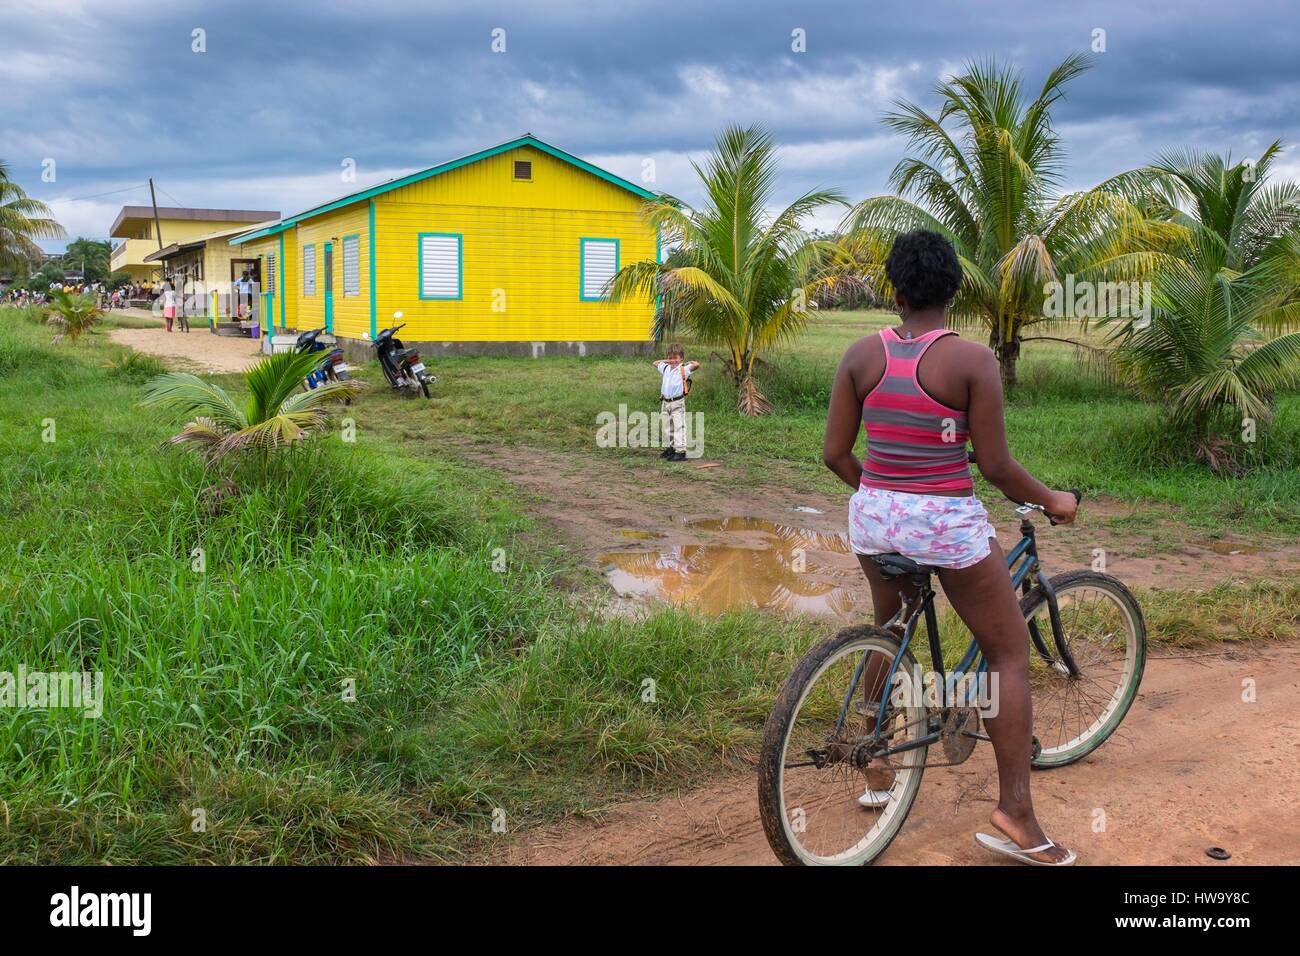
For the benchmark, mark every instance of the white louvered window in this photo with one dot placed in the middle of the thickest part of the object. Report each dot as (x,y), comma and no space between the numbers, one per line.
(308,270)
(440,265)
(599,258)
(351,265)
(269,283)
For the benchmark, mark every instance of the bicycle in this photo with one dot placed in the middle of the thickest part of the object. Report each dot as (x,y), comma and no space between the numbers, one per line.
(823,729)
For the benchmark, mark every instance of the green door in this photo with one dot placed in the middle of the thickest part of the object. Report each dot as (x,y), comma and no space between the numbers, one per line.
(329,287)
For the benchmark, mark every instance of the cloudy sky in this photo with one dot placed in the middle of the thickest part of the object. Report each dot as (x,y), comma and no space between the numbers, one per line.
(114,92)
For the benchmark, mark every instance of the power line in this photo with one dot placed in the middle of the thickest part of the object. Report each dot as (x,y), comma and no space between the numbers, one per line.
(112,192)
(169,195)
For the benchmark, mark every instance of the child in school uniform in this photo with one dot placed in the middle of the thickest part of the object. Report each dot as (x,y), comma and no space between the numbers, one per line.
(675,384)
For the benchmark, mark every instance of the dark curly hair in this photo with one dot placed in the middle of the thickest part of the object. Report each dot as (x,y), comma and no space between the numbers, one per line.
(923,268)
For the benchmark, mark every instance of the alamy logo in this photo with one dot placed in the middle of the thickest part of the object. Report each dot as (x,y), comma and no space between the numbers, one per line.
(634,429)
(42,690)
(103,909)
(1098,300)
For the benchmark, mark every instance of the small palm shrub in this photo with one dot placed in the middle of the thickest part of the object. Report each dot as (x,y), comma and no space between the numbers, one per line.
(276,415)
(1207,353)
(73,314)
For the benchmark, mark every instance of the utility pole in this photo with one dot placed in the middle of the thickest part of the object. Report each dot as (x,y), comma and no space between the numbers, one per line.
(156,228)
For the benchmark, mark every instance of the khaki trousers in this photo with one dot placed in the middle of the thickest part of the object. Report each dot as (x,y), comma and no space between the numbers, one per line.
(674,423)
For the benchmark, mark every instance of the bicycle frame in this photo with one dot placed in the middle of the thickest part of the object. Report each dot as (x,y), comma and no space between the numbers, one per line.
(1022,561)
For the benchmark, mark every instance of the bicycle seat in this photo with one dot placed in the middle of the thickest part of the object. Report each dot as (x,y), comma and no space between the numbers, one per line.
(896,566)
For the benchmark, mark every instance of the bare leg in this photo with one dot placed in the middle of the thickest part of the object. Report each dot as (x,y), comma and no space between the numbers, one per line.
(886,598)
(983,596)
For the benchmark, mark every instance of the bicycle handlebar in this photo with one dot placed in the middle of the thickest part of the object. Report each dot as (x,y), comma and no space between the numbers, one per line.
(1078,495)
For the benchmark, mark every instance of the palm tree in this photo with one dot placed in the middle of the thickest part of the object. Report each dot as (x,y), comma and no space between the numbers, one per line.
(740,277)
(1205,347)
(1220,294)
(986,175)
(22,221)
(276,415)
(1233,201)
(73,314)
(92,255)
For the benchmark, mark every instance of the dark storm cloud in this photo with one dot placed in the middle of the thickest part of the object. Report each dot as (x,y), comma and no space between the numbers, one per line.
(285,92)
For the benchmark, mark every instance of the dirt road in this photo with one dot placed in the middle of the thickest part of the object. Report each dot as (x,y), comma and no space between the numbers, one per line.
(197,350)
(602,504)
(1193,767)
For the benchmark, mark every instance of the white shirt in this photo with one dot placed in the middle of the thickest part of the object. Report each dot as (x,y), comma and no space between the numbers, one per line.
(674,379)
(169,299)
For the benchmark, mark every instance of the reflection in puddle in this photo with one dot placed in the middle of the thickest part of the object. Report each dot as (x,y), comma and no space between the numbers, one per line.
(755,563)
(1231,547)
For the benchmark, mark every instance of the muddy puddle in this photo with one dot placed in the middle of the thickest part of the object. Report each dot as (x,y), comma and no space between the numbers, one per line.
(1231,547)
(742,562)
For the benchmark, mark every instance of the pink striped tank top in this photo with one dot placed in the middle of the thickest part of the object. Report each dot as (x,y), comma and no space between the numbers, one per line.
(915,443)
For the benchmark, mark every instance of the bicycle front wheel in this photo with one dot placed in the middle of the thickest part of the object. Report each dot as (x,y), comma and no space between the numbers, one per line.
(1104,637)
(817,746)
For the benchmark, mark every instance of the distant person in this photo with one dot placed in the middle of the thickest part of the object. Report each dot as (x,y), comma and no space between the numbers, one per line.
(244,288)
(168,303)
(675,382)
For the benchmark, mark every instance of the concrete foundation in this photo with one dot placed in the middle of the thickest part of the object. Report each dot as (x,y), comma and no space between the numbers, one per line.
(358,350)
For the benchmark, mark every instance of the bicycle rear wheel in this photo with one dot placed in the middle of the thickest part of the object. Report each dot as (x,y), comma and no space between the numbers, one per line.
(1103,633)
(812,766)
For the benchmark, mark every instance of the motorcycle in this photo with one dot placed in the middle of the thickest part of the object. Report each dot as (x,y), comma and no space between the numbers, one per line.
(402,366)
(332,366)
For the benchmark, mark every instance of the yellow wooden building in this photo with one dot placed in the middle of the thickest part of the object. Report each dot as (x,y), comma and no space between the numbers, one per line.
(513,244)
(139,233)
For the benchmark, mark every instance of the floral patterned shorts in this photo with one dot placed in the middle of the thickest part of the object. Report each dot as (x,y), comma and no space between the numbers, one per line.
(930,529)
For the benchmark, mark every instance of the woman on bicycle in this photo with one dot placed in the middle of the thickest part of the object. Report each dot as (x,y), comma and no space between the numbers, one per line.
(921,392)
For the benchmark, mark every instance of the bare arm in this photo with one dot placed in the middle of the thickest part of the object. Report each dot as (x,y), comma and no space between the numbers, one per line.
(843,417)
(988,434)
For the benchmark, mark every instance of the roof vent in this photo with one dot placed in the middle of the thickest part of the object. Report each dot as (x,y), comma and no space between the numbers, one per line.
(524,169)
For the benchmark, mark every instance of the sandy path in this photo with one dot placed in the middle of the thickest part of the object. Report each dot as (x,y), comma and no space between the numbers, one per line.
(198,350)
(1192,767)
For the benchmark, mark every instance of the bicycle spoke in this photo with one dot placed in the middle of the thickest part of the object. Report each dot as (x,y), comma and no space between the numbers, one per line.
(1098,631)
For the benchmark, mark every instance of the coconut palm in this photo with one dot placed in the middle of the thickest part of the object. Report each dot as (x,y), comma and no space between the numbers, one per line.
(740,277)
(23,220)
(277,413)
(986,174)
(1205,348)
(1221,293)
(72,314)
(1234,201)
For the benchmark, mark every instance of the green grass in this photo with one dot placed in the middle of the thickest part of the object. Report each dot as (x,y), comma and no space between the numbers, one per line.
(346,566)
(1069,427)
(362,565)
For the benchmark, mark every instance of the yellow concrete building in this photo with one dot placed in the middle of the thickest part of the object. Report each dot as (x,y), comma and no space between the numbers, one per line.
(134,227)
(513,244)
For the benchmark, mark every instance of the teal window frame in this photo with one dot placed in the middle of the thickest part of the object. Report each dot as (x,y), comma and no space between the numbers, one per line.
(582,265)
(315,269)
(344,263)
(460,267)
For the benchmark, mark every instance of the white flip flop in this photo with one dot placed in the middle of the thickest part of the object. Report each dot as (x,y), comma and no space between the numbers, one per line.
(1017,852)
(874,799)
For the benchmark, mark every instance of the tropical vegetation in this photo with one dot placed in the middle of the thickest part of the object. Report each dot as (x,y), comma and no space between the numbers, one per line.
(23,221)
(738,276)
(986,173)
(72,314)
(277,413)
